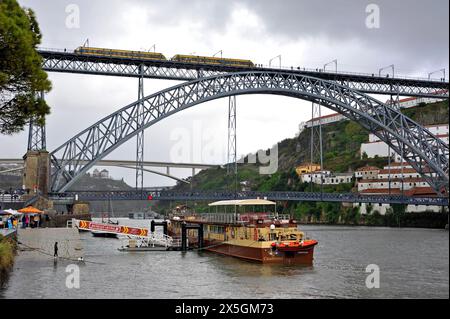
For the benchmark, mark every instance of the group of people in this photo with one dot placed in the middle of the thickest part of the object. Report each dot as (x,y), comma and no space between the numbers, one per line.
(33,221)
(9,222)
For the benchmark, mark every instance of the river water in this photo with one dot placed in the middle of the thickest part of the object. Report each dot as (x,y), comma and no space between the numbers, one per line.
(413,263)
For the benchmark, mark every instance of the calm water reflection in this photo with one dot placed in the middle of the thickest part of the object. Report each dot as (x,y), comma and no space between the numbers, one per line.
(414,263)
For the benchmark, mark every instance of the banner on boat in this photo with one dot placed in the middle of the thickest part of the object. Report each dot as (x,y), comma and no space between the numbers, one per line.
(108,228)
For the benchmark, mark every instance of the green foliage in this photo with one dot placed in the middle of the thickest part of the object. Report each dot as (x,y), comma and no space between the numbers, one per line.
(21,75)
(7,252)
(331,211)
(375,219)
(351,215)
(428,114)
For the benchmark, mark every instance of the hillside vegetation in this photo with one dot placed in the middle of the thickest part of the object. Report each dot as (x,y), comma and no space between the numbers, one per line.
(341,150)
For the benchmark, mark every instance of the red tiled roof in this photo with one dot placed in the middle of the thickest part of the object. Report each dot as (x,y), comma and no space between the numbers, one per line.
(415,98)
(420,191)
(397,171)
(382,180)
(323,117)
(416,191)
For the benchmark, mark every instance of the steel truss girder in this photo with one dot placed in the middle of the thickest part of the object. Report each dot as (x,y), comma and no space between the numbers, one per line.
(232,138)
(227,195)
(426,153)
(36,135)
(170,70)
(140,135)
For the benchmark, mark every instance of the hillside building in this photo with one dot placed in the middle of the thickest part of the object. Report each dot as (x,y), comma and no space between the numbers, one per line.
(377,148)
(395,179)
(307,168)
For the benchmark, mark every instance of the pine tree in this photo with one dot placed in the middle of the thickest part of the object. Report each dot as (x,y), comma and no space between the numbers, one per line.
(21,75)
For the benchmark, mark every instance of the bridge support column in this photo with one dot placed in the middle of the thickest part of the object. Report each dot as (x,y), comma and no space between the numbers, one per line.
(316,141)
(140,135)
(232,141)
(36,133)
(36,173)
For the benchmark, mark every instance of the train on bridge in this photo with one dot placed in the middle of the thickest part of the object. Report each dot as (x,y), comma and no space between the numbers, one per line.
(143,55)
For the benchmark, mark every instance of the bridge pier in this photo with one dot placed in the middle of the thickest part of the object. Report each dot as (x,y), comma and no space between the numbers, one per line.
(36,173)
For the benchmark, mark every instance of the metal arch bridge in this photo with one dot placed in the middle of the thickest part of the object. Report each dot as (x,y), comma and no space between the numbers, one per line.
(70,62)
(426,153)
(169,195)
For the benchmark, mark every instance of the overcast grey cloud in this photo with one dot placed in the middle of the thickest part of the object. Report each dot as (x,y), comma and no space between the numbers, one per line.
(413,35)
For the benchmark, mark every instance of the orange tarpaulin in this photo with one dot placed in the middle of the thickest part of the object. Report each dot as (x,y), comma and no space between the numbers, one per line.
(30,210)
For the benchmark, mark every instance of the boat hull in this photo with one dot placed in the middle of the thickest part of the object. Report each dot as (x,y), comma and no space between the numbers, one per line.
(266,256)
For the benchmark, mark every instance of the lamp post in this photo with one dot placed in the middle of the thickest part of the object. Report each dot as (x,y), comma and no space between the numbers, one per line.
(277,57)
(332,62)
(387,67)
(220,51)
(440,70)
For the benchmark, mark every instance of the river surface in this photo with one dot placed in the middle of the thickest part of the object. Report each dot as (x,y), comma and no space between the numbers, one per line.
(413,263)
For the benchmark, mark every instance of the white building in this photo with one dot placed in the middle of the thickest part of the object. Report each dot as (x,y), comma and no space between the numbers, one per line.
(367,172)
(384,208)
(395,179)
(328,177)
(377,148)
(325,119)
(100,174)
(414,101)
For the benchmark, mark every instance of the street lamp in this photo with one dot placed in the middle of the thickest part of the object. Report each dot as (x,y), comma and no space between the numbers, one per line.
(220,51)
(332,62)
(440,70)
(387,67)
(277,57)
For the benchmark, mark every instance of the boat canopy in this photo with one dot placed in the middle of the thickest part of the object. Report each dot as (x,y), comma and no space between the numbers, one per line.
(242,202)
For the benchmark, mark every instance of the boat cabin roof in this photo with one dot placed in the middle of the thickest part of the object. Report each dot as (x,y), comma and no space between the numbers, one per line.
(242,202)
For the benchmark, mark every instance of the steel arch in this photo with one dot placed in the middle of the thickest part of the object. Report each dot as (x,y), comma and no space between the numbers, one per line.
(423,151)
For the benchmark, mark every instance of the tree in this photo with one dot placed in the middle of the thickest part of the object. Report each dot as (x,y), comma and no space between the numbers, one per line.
(21,75)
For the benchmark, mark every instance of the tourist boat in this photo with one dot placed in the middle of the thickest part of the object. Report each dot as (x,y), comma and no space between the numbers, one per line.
(259,235)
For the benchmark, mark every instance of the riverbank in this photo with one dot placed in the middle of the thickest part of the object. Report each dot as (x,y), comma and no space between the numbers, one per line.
(8,248)
(395,220)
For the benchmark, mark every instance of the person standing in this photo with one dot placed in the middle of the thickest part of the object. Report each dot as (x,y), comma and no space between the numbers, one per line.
(55,250)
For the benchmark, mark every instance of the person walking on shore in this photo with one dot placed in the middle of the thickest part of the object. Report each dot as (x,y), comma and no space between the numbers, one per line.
(55,254)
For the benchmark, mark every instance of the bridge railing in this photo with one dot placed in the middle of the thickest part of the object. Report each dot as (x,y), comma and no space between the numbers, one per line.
(277,196)
(296,68)
(10,198)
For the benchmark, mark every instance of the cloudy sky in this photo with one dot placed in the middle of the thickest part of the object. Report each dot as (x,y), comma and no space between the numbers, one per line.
(412,34)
